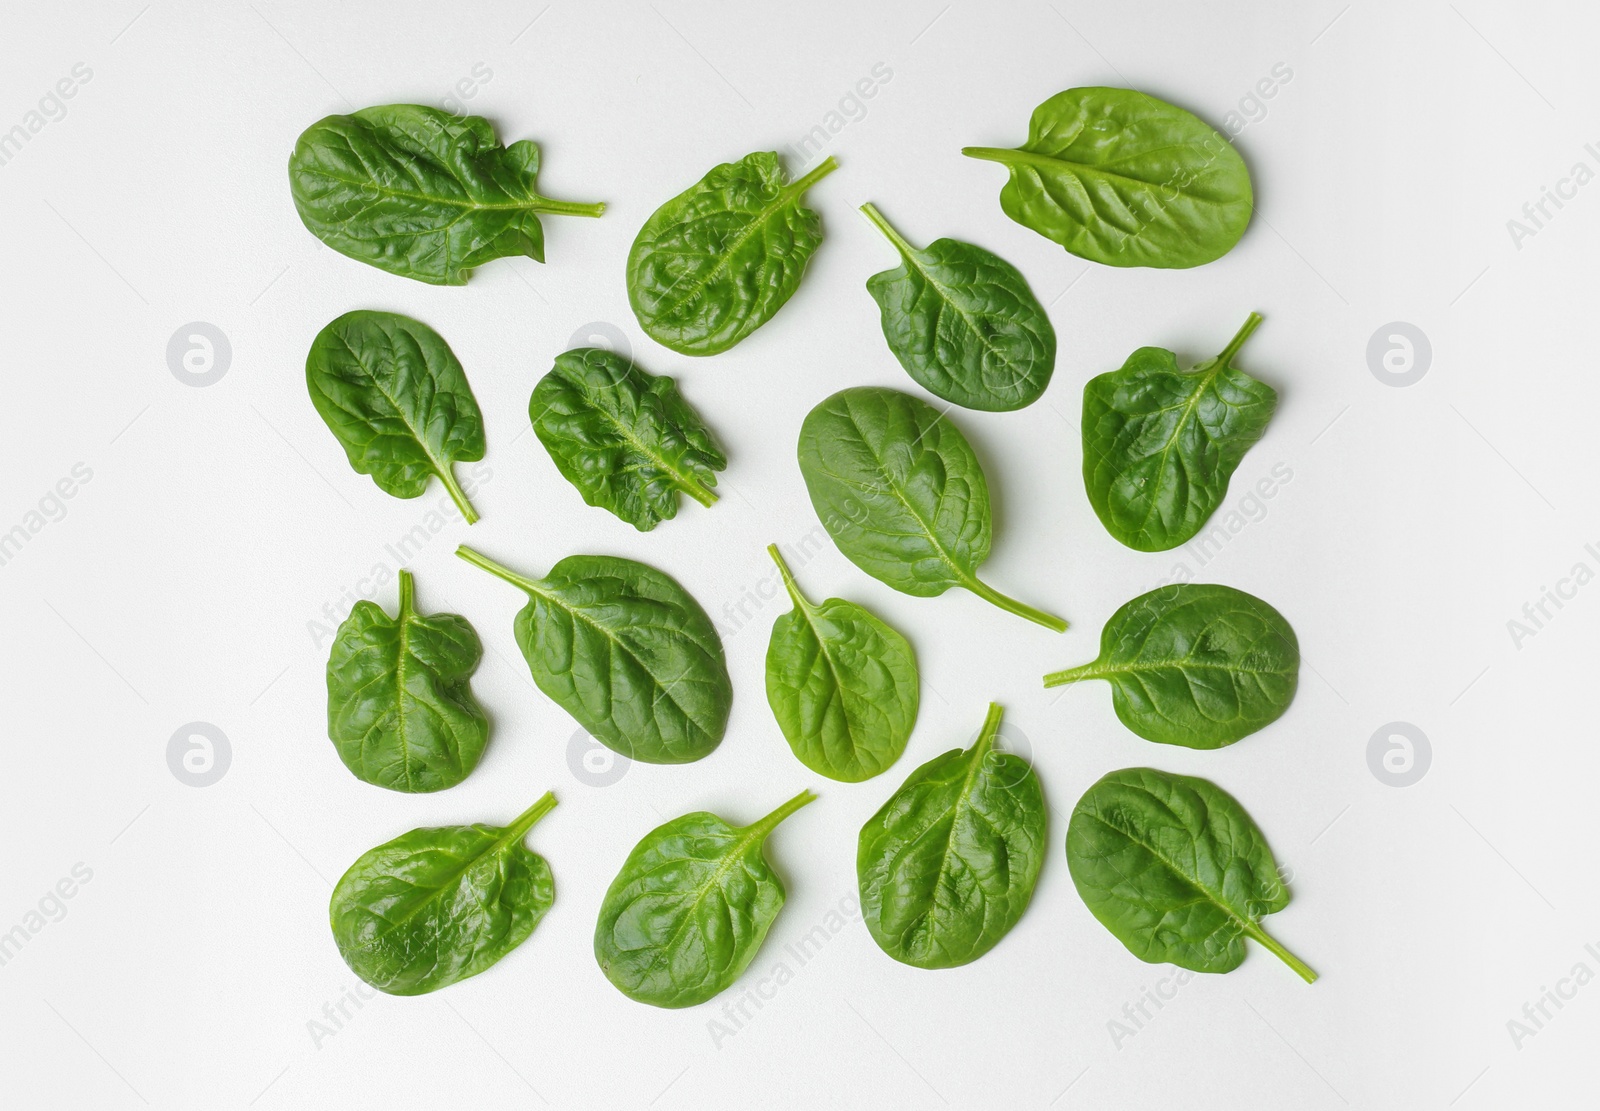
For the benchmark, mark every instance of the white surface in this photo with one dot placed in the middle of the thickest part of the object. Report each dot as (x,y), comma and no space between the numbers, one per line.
(180,583)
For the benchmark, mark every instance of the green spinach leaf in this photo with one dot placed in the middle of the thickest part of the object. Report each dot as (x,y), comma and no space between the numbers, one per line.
(400,708)
(1195,664)
(842,684)
(1160,444)
(1119,177)
(964,323)
(716,262)
(899,489)
(627,652)
(1176,870)
(690,908)
(625,438)
(437,905)
(947,866)
(395,396)
(421,193)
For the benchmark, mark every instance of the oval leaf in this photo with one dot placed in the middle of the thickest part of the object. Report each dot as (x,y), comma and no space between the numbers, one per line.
(716,262)
(1119,177)
(1195,664)
(435,906)
(1176,870)
(690,908)
(948,865)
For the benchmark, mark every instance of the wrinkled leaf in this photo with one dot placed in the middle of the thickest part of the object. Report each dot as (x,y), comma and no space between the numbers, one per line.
(1176,870)
(690,908)
(400,707)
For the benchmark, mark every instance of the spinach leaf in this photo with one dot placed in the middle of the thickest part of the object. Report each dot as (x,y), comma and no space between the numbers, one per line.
(947,866)
(964,323)
(899,489)
(716,262)
(400,710)
(1160,444)
(1119,177)
(1176,870)
(690,908)
(627,652)
(1195,664)
(394,395)
(842,684)
(437,905)
(625,438)
(421,193)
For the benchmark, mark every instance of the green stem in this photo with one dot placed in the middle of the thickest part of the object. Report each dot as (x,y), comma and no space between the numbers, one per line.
(789,584)
(569,208)
(872,213)
(1237,341)
(405,592)
(990,730)
(447,475)
(1011,605)
(1300,967)
(530,817)
(992,154)
(499,571)
(1073,674)
(698,490)
(823,169)
(766,825)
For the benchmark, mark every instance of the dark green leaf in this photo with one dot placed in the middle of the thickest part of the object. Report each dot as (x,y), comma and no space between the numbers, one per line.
(899,489)
(625,438)
(1119,177)
(394,395)
(1176,870)
(435,906)
(400,710)
(421,193)
(842,684)
(716,262)
(690,908)
(948,865)
(1160,444)
(964,323)
(1195,664)
(627,652)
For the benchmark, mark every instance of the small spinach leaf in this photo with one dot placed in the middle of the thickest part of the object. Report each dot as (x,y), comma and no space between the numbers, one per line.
(437,905)
(716,262)
(395,396)
(1160,444)
(947,866)
(1176,870)
(1195,664)
(842,684)
(400,710)
(421,193)
(899,489)
(690,908)
(1119,177)
(964,323)
(627,652)
(625,438)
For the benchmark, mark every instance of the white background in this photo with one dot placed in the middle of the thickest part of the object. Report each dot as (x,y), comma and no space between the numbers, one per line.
(182,582)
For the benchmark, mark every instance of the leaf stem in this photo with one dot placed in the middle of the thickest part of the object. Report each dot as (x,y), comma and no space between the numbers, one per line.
(789,584)
(990,730)
(1300,967)
(530,817)
(826,167)
(989,154)
(1073,674)
(1011,605)
(570,208)
(500,571)
(447,475)
(1237,341)
(770,822)
(872,213)
(405,592)
(698,490)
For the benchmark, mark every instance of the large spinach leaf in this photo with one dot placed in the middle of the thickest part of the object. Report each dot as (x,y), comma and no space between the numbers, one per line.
(842,684)
(899,489)
(964,323)
(400,710)
(1160,444)
(1195,664)
(627,652)
(948,864)
(690,908)
(437,905)
(395,396)
(625,438)
(716,262)
(420,192)
(1119,177)
(1176,870)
